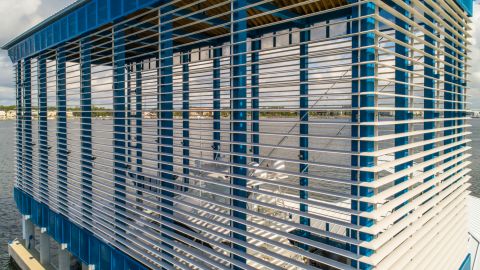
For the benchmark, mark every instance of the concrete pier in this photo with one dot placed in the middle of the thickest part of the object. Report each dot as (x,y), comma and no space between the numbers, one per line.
(44,247)
(63,258)
(28,232)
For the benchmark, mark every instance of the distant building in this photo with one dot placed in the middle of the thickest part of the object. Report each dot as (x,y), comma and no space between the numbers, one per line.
(3,114)
(51,114)
(11,114)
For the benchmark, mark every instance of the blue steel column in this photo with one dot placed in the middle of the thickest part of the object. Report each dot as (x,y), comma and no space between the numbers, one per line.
(86,130)
(129,116)
(429,90)
(460,85)
(303,118)
(119,124)
(42,129)
(19,125)
(239,117)
(217,54)
(449,89)
(362,86)
(27,116)
(62,150)
(185,115)
(138,125)
(255,80)
(401,88)
(166,113)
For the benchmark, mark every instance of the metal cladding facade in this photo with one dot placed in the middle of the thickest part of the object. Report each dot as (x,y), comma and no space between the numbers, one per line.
(274,134)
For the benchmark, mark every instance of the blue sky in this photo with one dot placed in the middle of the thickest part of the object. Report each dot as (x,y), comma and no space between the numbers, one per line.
(17,16)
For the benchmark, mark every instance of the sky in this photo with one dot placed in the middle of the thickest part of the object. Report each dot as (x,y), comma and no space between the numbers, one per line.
(17,16)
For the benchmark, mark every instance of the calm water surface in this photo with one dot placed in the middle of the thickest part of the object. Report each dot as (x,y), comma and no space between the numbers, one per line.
(10,217)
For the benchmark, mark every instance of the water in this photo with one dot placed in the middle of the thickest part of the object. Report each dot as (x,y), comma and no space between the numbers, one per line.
(10,227)
(10,217)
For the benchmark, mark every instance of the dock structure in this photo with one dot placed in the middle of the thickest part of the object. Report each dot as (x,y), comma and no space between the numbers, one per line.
(241,134)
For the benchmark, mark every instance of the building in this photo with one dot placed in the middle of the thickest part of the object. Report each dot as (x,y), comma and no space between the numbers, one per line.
(3,115)
(244,189)
(11,114)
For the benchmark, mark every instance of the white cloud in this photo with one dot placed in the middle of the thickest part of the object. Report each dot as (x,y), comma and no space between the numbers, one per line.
(17,16)
(475,55)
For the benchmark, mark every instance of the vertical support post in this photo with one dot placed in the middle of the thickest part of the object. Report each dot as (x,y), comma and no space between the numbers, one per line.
(255,81)
(63,258)
(166,113)
(86,130)
(44,247)
(363,86)
(139,124)
(42,129)
(303,118)
(27,116)
(239,117)
(217,54)
(19,123)
(28,232)
(119,123)
(402,91)
(429,90)
(185,115)
(62,149)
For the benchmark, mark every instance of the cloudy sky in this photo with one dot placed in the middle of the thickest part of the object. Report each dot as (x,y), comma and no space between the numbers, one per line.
(17,16)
